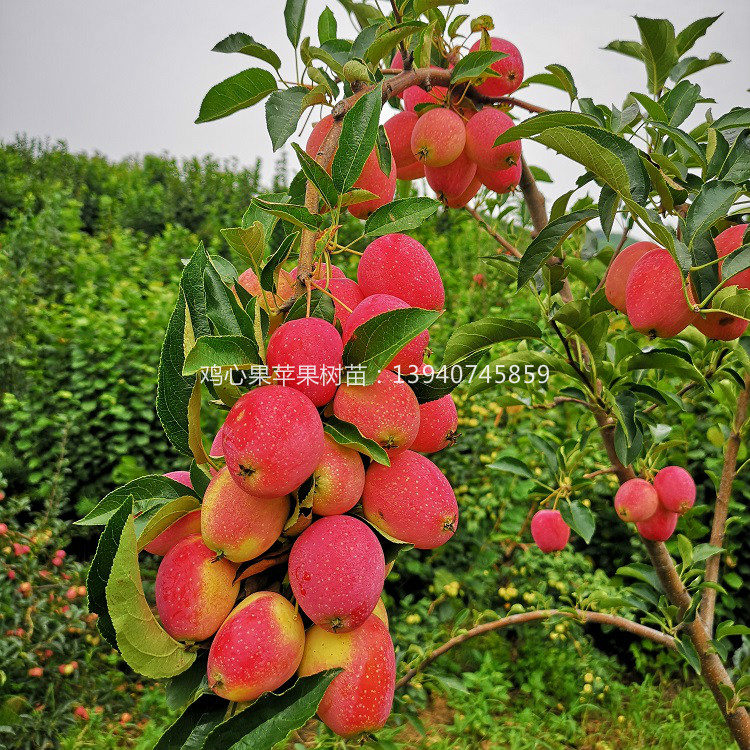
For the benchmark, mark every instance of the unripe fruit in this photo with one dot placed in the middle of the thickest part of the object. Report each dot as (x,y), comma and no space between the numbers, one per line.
(501,181)
(399,129)
(452,179)
(728,241)
(481,133)
(360,698)
(416,95)
(438,137)
(654,296)
(337,480)
(438,421)
(660,526)
(386,411)
(414,171)
(411,500)
(399,265)
(636,500)
(194,591)
(510,69)
(336,570)
(354,70)
(273,440)
(676,489)
(258,648)
(619,272)
(188,525)
(183,477)
(462,200)
(238,525)
(549,531)
(412,353)
(306,354)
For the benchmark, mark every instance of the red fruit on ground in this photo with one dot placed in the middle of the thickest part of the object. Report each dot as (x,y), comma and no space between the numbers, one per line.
(676,489)
(438,421)
(237,525)
(273,440)
(412,354)
(462,200)
(619,272)
(347,294)
(636,500)
(509,69)
(549,531)
(453,179)
(438,137)
(479,279)
(386,411)
(398,265)
(306,354)
(654,296)
(501,181)
(257,649)
(660,526)
(336,570)
(728,241)
(481,133)
(81,713)
(399,129)
(337,480)
(360,698)
(414,171)
(182,528)
(411,500)
(415,95)
(194,591)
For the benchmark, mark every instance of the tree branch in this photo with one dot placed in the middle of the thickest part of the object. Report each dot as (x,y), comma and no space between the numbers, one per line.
(543,614)
(721,511)
(512,249)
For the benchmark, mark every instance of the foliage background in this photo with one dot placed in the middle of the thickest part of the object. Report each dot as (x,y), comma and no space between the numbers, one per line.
(90,257)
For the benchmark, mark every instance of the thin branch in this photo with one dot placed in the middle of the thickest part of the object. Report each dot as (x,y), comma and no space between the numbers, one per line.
(728,474)
(543,614)
(512,249)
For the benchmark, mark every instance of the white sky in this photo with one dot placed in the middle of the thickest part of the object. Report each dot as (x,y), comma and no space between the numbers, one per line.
(127,78)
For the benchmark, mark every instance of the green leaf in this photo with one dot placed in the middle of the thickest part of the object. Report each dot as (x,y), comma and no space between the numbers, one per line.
(738,117)
(660,360)
(728,628)
(163,518)
(654,110)
(422,6)
(430,386)
(549,240)
(191,728)
(608,204)
(641,572)
(732,300)
(691,65)
(711,204)
(143,643)
(283,110)
(383,148)
(146,491)
(272,717)
(686,649)
(680,102)
(327,26)
(474,65)
(358,134)
(235,93)
(386,42)
(297,215)
(563,75)
(321,306)
(221,351)
(736,262)
(626,405)
(349,436)
(533,126)
(185,687)
(580,519)
(512,465)
(630,49)
(318,176)
(480,335)
(659,50)
(101,567)
(736,166)
(374,343)
(268,274)
(246,45)
(400,215)
(225,312)
(249,243)
(681,139)
(693,32)
(294,16)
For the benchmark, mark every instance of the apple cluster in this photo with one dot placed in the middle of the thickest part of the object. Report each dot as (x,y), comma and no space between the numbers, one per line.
(645,282)
(278,458)
(450,143)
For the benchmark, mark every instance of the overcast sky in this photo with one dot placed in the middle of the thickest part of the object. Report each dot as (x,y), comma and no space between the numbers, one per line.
(127,78)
